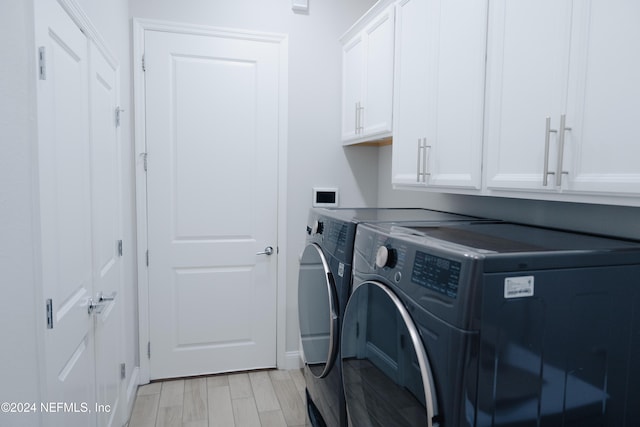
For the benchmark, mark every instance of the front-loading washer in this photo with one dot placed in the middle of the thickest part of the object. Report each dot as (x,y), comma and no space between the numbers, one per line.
(491,325)
(324,285)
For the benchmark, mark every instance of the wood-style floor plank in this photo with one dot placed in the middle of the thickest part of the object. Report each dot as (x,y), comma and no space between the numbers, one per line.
(195,400)
(263,391)
(169,416)
(272,419)
(245,412)
(172,393)
(248,399)
(220,407)
(240,386)
(290,402)
(145,411)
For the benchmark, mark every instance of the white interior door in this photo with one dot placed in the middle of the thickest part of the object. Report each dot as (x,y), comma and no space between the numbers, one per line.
(65,211)
(212,140)
(106,227)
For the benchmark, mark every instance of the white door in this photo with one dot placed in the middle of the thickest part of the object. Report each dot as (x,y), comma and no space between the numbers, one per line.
(602,148)
(527,71)
(410,88)
(377,92)
(455,94)
(65,209)
(439,93)
(212,140)
(106,227)
(352,63)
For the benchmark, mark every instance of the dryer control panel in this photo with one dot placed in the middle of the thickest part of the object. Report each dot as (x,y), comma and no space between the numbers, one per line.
(436,273)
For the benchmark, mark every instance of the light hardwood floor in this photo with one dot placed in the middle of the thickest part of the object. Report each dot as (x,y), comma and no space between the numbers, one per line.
(272,398)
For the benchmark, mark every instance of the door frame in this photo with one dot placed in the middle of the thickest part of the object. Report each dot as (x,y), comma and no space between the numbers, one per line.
(282,40)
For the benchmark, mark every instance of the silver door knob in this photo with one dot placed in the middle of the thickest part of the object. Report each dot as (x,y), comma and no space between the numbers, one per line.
(96,306)
(267,251)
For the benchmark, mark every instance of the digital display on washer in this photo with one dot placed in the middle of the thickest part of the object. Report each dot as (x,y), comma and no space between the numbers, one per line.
(435,273)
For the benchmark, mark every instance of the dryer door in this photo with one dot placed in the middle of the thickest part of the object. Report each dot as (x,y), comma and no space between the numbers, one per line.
(386,372)
(317,311)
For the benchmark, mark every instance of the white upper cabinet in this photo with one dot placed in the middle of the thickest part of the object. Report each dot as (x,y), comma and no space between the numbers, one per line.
(367,85)
(439,93)
(602,149)
(563,93)
(528,48)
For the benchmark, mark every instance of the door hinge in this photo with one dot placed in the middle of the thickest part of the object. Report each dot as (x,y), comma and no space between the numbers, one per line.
(118,115)
(149,349)
(119,247)
(42,65)
(144,65)
(49,314)
(147,255)
(144,161)
(123,371)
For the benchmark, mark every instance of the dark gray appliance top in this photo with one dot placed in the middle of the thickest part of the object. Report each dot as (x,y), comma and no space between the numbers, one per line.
(397,215)
(506,246)
(514,238)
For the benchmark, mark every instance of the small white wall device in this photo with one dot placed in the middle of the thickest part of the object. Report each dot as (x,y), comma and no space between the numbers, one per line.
(300,5)
(325,197)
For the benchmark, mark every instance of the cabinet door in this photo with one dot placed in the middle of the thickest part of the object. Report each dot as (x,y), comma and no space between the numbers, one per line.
(352,74)
(410,89)
(375,115)
(455,97)
(527,67)
(439,93)
(602,149)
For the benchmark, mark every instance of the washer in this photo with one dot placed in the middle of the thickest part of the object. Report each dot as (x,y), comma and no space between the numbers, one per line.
(324,285)
(491,324)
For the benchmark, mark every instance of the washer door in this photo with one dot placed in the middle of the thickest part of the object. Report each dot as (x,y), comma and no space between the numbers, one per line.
(386,372)
(317,311)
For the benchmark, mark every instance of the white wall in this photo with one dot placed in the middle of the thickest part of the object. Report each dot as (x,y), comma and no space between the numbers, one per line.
(600,219)
(315,156)
(18,273)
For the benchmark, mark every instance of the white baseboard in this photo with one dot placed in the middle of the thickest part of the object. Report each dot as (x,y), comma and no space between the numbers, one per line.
(292,360)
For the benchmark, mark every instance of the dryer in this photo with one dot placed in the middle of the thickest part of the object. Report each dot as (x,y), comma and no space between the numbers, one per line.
(491,324)
(324,285)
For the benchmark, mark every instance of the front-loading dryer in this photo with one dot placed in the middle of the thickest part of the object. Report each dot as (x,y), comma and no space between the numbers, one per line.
(324,285)
(491,325)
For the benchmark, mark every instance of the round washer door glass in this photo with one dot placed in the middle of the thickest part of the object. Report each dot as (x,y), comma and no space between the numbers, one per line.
(317,311)
(386,372)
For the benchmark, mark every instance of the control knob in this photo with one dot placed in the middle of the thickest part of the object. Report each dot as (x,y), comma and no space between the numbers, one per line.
(318,227)
(386,257)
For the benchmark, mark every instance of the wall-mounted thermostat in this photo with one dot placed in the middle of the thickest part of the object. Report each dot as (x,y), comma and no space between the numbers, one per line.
(325,197)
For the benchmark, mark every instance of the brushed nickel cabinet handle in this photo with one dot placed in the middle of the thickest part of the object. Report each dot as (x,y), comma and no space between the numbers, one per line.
(562,131)
(547,136)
